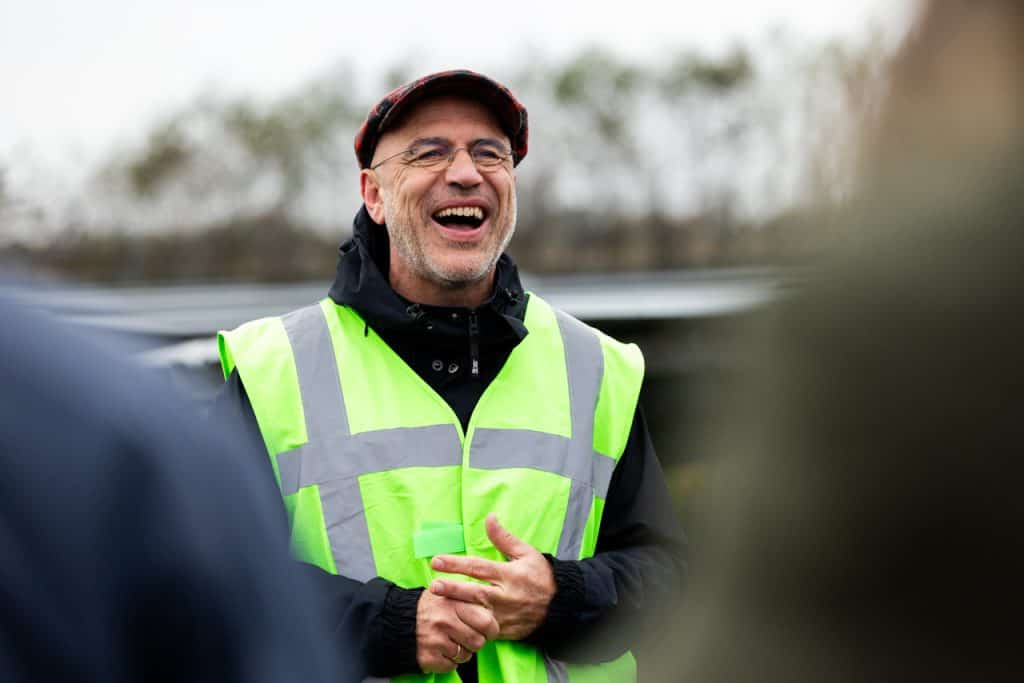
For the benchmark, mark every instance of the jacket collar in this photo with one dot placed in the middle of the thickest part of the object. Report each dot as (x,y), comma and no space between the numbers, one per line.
(361,284)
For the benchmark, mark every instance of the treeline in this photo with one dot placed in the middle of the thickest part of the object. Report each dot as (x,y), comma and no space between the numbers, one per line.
(272,247)
(695,161)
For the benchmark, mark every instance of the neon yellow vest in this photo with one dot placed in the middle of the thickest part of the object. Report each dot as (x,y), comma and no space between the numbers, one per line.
(374,465)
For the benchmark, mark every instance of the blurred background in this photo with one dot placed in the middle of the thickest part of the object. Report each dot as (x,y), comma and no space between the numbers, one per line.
(168,170)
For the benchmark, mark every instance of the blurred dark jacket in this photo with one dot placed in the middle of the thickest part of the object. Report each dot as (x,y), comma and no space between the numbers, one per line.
(869,495)
(135,544)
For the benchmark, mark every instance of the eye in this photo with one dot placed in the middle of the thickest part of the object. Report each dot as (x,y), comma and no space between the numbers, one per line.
(488,155)
(425,154)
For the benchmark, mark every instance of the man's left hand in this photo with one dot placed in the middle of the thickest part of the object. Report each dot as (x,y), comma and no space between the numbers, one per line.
(518,592)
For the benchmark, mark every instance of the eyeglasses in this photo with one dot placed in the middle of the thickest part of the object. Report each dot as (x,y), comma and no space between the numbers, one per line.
(438,155)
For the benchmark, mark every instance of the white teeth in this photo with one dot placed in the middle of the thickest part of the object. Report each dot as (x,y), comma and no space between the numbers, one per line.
(474,211)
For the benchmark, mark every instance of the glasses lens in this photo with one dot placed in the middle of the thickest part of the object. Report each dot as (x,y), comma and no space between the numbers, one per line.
(432,155)
(488,155)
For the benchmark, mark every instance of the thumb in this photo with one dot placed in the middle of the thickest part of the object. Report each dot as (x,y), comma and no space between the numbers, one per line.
(510,546)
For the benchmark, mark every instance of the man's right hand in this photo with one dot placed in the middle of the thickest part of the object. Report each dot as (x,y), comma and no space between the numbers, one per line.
(449,632)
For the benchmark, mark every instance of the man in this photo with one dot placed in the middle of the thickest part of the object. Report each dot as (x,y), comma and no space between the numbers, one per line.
(429,420)
(135,544)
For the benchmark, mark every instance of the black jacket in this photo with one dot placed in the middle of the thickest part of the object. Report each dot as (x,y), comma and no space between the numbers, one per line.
(136,543)
(640,556)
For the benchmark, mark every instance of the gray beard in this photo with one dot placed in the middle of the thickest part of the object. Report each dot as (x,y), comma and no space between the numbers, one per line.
(403,237)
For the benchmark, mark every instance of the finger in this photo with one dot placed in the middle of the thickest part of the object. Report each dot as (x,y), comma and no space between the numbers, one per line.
(437,664)
(454,650)
(476,567)
(478,593)
(464,656)
(435,651)
(461,634)
(436,661)
(478,618)
(510,546)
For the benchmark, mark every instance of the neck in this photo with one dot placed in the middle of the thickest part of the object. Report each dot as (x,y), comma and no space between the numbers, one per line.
(460,295)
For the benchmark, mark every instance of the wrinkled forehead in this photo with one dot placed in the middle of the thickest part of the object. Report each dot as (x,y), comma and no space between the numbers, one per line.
(451,117)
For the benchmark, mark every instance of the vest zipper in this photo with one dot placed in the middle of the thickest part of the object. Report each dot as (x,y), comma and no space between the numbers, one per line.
(474,345)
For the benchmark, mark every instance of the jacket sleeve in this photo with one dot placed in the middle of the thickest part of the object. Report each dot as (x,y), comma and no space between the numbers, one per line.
(377,616)
(602,604)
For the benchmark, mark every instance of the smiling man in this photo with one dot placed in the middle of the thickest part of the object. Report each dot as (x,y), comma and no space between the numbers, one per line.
(449,215)
(465,469)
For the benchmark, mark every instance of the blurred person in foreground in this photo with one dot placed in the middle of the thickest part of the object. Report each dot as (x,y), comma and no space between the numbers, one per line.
(869,493)
(430,421)
(134,544)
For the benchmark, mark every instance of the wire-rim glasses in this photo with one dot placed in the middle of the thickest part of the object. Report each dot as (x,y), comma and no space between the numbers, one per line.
(437,155)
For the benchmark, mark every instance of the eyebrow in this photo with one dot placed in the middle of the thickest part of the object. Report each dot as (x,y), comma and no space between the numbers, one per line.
(493,142)
(430,141)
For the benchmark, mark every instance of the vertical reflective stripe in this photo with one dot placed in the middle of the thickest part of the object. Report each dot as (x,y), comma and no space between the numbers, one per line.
(317,370)
(581,499)
(289,465)
(557,671)
(604,468)
(326,423)
(347,531)
(584,364)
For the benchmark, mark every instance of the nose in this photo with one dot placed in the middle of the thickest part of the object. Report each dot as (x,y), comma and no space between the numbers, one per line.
(462,171)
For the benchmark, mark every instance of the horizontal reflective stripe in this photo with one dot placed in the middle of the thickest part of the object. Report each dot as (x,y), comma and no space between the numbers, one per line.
(368,452)
(495,449)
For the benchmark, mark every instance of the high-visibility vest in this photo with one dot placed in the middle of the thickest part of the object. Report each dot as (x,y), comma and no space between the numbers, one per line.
(377,474)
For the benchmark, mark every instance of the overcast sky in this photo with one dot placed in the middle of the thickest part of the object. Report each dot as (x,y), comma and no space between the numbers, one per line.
(78,75)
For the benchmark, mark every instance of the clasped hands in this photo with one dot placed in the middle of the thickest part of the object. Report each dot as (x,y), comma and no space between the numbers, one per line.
(454,619)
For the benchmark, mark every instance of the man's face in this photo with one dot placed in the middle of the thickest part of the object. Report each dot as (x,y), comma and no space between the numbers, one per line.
(429,245)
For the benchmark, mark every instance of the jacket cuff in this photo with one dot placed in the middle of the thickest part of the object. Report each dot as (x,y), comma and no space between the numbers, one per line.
(565,606)
(395,633)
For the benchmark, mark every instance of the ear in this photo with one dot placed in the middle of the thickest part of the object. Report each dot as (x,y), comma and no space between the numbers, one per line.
(369,187)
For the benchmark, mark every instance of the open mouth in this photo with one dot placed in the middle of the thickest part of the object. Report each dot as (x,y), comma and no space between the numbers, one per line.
(461,217)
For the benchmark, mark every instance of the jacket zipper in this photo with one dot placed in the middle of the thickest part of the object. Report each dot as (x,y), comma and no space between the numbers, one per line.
(474,345)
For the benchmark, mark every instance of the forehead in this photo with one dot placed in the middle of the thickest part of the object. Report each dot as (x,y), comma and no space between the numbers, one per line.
(446,116)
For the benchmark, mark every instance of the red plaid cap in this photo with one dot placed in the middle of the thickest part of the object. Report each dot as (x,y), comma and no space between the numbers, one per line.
(511,114)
